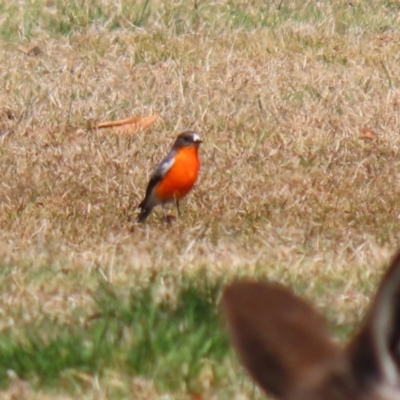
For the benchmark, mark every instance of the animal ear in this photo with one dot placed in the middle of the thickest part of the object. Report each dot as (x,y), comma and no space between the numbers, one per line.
(375,351)
(281,340)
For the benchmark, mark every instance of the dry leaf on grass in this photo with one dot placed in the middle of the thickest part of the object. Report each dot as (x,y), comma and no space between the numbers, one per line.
(34,51)
(367,133)
(387,38)
(129,125)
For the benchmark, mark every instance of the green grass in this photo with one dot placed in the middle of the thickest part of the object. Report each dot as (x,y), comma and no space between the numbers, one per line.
(60,17)
(166,332)
(165,335)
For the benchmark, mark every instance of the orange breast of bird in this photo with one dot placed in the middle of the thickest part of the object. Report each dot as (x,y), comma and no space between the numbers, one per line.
(180,179)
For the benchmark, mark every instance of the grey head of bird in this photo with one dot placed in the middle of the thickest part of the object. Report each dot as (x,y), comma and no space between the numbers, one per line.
(187,139)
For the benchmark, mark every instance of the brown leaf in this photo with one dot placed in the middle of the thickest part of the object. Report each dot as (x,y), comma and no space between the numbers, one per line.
(367,133)
(129,125)
(35,51)
(386,38)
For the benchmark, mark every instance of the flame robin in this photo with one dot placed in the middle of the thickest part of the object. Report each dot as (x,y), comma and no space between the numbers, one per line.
(175,176)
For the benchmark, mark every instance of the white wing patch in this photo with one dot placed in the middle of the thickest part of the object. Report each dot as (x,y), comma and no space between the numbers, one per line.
(165,166)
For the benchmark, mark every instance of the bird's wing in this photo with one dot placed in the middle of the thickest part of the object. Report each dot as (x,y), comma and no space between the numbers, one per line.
(159,173)
(164,166)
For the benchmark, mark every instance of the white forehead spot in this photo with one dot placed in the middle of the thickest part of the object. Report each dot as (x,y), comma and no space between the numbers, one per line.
(196,137)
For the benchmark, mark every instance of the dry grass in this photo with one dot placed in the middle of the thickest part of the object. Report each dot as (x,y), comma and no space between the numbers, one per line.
(287,190)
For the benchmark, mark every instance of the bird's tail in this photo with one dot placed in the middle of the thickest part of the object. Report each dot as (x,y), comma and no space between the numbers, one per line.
(144,213)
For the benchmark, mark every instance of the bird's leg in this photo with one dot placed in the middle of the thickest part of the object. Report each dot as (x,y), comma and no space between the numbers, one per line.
(164,213)
(177,206)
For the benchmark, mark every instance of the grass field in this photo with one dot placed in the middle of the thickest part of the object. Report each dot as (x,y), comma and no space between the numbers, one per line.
(94,306)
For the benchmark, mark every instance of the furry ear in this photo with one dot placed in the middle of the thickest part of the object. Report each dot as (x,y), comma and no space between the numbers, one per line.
(375,352)
(281,340)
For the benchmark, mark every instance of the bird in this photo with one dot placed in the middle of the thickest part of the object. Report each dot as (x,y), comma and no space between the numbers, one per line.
(174,176)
